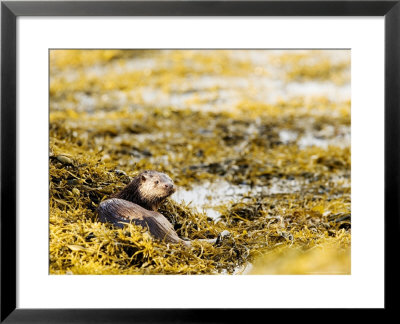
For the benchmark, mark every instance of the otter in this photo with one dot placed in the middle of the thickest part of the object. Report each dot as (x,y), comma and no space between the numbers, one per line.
(138,203)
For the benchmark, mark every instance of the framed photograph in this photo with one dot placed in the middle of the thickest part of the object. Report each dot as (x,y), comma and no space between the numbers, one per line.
(163,158)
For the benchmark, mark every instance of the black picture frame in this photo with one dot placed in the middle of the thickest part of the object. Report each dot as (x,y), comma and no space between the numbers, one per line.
(10,10)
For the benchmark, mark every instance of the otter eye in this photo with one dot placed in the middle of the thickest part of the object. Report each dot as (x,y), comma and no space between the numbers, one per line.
(156,182)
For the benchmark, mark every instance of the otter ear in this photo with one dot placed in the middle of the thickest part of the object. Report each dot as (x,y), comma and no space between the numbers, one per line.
(143,178)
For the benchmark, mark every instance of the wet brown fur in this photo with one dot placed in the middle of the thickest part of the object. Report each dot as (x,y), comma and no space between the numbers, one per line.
(118,211)
(138,203)
(149,199)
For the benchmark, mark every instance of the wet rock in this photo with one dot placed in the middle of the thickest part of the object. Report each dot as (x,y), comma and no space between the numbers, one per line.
(200,153)
(345,225)
(73,181)
(120,172)
(140,153)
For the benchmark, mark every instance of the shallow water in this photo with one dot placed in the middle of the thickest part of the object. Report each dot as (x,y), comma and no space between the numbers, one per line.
(207,197)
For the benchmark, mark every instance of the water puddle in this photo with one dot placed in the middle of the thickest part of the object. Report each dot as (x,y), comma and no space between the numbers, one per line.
(328,136)
(208,197)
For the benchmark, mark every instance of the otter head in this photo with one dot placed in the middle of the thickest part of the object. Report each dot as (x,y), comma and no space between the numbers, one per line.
(155,187)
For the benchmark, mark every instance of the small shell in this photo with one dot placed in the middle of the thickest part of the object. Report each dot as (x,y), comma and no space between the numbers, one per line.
(76,191)
(64,159)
